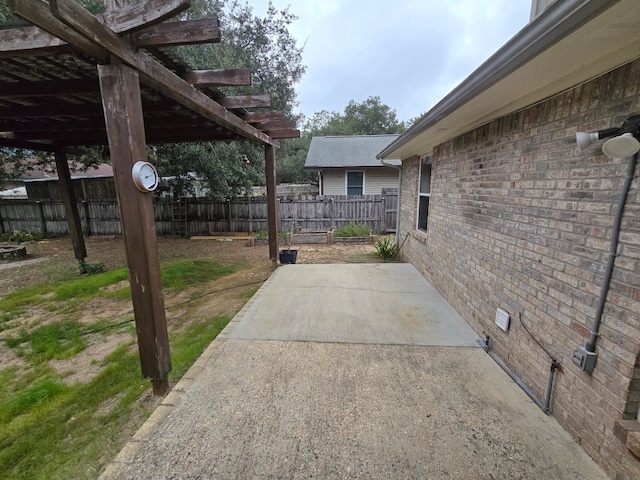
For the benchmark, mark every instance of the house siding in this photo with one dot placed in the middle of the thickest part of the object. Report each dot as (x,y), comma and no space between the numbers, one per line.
(375,179)
(520,219)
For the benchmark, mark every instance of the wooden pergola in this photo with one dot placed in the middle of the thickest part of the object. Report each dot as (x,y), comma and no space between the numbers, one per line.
(72,79)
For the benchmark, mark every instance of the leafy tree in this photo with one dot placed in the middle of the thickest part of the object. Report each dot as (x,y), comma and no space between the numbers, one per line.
(371,117)
(290,162)
(267,49)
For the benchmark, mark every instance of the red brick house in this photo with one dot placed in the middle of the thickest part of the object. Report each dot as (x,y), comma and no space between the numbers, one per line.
(502,211)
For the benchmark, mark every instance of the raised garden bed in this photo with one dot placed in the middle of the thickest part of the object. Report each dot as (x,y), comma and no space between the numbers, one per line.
(12,252)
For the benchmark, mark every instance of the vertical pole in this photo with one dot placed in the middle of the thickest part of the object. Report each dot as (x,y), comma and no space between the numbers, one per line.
(2,229)
(272,205)
(87,216)
(120,87)
(43,221)
(70,205)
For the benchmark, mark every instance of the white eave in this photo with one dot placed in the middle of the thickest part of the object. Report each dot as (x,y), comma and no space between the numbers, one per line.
(571,43)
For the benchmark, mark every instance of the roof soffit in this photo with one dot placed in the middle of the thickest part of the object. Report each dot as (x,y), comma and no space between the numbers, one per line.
(605,42)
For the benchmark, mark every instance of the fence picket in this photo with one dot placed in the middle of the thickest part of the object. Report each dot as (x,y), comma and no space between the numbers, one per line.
(205,217)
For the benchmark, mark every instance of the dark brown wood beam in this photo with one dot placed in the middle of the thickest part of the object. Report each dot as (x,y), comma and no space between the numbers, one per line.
(74,110)
(275,125)
(139,15)
(190,32)
(49,88)
(28,41)
(257,117)
(272,202)
(70,205)
(38,13)
(151,72)
(246,101)
(237,77)
(123,116)
(36,146)
(33,40)
(283,133)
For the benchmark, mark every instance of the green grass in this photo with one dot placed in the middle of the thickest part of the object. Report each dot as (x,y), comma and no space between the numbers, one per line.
(50,430)
(58,340)
(176,275)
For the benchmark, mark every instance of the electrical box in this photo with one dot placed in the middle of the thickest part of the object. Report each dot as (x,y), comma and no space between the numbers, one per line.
(503,319)
(584,359)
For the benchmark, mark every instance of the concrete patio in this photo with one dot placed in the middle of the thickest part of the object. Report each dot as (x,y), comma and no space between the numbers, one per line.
(349,371)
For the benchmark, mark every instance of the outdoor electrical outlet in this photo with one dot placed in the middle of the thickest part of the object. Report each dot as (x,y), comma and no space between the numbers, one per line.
(584,359)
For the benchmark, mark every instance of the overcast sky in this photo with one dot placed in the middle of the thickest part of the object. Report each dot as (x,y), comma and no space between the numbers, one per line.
(410,53)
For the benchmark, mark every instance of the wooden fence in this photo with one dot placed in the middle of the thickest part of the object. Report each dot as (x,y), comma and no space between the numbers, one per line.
(201,217)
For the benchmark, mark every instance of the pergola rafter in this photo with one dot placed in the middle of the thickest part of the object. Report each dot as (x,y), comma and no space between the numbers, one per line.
(71,78)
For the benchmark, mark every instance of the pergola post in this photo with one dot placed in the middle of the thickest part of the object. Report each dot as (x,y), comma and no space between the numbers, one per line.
(272,204)
(70,205)
(120,87)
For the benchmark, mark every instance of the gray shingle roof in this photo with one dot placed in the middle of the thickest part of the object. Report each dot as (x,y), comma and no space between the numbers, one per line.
(347,151)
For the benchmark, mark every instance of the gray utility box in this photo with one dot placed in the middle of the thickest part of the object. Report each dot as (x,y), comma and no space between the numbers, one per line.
(584,359)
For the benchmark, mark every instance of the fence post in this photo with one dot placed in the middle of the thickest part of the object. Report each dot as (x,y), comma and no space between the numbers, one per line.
(87,217)
(43,221)
(229,213)
(2,230)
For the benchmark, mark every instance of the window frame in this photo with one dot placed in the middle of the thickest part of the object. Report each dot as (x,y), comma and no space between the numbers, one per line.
(424,160)
(346,181)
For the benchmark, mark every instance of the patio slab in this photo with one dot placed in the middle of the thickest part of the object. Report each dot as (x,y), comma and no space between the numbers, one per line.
(385,303)
(314,406)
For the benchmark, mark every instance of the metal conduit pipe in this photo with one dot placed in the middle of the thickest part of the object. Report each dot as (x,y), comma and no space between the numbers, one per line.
(546,406)
(613,253)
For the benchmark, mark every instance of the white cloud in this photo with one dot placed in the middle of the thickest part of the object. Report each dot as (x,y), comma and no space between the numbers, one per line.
(410,53)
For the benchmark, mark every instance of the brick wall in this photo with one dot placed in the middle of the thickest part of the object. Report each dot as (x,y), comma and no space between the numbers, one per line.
(521,220)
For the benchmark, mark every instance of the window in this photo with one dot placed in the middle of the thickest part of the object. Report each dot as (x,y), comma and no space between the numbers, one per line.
(355,183)
(424,193)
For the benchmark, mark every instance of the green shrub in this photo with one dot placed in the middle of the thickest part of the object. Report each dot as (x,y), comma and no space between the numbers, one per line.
(386,248)
(353,230)
(17,236)
(91,268)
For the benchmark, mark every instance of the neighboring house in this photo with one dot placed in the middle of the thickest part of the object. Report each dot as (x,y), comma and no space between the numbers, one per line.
(96,183)
(348,164)
(16,193)
(501,209)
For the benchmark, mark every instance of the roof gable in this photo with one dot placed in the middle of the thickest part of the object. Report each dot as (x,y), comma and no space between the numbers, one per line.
(347,151)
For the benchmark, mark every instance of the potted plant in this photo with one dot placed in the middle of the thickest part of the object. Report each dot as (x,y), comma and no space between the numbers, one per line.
(288,255)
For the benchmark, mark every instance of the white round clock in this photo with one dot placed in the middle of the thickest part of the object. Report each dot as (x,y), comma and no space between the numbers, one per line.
(145,176)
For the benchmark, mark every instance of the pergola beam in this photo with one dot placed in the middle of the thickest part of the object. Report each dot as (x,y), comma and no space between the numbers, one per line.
(37,13)
(123,117)
(151,72)
(49,88)
(246,101)
(134,16)
(35,41)
(237,77)
(189,32)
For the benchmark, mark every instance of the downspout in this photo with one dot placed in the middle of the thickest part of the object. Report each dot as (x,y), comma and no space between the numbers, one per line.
(613,253)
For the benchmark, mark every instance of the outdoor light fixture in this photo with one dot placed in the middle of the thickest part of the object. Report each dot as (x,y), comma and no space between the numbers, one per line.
(624,144)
